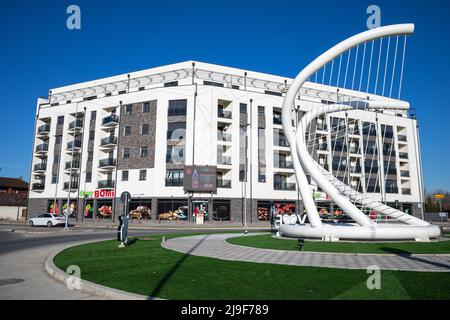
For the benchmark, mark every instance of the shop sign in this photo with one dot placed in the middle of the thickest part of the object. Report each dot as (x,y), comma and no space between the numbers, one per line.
(103,193)
(321,196)
(87,194)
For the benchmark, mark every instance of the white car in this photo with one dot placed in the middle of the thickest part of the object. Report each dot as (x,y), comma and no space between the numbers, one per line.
(47,219)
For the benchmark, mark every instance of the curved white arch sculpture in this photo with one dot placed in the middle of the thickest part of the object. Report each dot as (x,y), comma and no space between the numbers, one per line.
(343,195)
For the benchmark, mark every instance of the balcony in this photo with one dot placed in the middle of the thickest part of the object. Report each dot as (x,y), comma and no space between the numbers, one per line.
(283,164)
(44,129)
(224,114)
(402,138)
(355,170)
(108,142)
(72,165)
(38,186)
(109,163)
(106,184)
(40,167)
(281,143)
(403,155)
(75,126)
(404,174)
(111,121)
(174,182)
(277,119)
(323,147)
(224,160)
(74,146)
(406,191)
(223,136)
(42,148)
(284,186)
(73,185)
(223,183)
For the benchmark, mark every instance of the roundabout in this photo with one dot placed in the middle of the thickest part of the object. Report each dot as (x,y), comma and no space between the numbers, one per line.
(207,266)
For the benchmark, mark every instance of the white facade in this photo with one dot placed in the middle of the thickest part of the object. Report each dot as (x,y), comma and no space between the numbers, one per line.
(224,86)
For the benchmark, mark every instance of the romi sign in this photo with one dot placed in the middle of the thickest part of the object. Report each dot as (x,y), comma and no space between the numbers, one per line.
(103,193)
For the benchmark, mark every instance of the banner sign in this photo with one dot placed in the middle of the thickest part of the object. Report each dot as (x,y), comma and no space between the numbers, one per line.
(200,178)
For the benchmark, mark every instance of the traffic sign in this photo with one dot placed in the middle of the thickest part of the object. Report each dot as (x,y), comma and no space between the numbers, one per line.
(439,196)
(125,197)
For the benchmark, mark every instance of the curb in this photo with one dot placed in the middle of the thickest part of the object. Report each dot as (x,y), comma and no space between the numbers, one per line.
(90,287)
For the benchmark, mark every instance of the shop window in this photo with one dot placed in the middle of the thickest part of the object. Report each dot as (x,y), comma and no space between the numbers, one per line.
(264,210)
(221,210)
(88,209)
(52,206)
(172,209)
(104,209)
(140,209)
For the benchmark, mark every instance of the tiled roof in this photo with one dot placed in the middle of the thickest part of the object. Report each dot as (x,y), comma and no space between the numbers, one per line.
(13,183)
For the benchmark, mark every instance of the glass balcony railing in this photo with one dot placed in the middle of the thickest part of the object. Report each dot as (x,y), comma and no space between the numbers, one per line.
(42,147)
(277,120)
(77,124)
(283,164)
(404,174)
(110,120)
(75,164)
(38,186)
(224,114)
(74,144)
(403,155)
(223,136)
(224,160)
(40,167)
(406,191)
(223,183)
(402,138)
(105,184)
(108,141)
(284,186)
(72,185)
(44,129)
(282,143)
(109,162)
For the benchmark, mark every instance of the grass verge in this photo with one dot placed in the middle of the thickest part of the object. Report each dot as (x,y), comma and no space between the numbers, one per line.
(146,268)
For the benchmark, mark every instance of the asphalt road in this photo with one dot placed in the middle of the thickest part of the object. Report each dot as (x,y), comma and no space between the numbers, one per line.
(23,254)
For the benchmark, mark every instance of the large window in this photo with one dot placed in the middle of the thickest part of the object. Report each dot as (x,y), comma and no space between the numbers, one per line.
(104,209)
(172,209)
(144,129)
(140,209)
(175,154)
(221,210)
(176,130)
(174,178)
(177,107)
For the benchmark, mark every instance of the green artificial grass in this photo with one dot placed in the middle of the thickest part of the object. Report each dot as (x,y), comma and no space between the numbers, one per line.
(269,242)
(145,268)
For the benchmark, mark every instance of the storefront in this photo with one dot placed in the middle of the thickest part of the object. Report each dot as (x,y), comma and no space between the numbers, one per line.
(172,210)
(221,210)
(140,209)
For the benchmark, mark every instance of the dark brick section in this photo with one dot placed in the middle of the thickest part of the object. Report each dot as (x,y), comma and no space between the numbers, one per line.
(136,140)
(36,206)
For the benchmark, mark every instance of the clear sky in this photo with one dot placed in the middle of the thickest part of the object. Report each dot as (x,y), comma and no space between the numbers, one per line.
(38,52)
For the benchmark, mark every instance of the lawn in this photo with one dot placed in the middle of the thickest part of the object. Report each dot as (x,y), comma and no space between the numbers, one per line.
(269,242)
(146,268)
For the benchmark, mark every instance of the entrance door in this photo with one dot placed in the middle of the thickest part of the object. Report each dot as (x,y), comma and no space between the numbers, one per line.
(200,210)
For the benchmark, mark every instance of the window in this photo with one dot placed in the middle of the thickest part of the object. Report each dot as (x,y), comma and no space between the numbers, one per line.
(144,152)
(273,93)
(243,107)
(126,130)
(58,139)
(54,178)
(146,107)
(144,129)
(174,178)
(60,120)
(129,109)
(56,159)
(175,154)
(261,111)
(142,175)
(91,135)
(177,107)
(93,115)
(126,153)
(125,175)
(214,84)
(90,156)
(88,176)
(171,84)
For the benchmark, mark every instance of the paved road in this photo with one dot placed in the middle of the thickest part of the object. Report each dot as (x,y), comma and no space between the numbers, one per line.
(215,246)
(22,257)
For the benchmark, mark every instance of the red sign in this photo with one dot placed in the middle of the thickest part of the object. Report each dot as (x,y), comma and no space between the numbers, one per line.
(103,193)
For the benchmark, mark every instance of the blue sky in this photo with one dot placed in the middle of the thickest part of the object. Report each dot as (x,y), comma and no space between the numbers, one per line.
(280,37)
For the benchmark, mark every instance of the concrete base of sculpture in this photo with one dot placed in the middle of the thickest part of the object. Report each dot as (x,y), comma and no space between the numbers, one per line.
(335,232)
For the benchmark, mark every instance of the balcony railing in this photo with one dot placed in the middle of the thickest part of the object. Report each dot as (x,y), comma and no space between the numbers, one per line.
(223,183)
(73,185)
(174,182)
(355,170)
(224,160)
(223,136)
(406,191)
(38,186)
(224,114)
(284,186)
(404,174)
(109,162)
(282,143)
(105,184)
(108,140)
(402,138)
(112,119)
(77,124)
(323,147)
(403,155)
(40,167)
(42,147)
(74,144)
(277,120)
(44,129)
(75,164)
(283,164)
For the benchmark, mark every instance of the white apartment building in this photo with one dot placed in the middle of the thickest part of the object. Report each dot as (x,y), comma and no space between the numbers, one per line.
(135,132)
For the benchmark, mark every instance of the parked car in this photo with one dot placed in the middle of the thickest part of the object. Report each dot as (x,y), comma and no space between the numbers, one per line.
(47,219)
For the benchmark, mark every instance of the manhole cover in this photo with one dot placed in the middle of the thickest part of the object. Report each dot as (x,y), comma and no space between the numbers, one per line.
(5,282)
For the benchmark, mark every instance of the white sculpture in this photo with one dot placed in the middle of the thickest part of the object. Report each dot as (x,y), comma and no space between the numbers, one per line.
(343,195)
